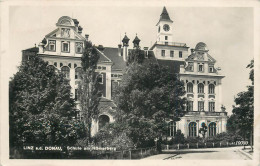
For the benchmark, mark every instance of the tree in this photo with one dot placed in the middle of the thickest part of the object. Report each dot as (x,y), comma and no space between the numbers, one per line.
(41,109)
(203,130)
(243,112)
(149,95)
(89,94)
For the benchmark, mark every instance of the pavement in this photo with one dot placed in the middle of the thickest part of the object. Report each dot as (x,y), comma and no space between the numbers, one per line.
(230,153)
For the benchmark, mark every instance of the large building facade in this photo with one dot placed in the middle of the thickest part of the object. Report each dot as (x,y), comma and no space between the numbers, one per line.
(63,47)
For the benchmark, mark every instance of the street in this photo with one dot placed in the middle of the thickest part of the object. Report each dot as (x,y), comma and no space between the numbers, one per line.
(231,153)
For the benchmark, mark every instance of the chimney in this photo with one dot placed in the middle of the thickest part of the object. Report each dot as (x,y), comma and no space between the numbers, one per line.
(86,36)
(119,50)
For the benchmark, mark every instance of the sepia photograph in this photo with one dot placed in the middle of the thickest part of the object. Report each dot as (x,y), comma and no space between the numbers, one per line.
(129,82)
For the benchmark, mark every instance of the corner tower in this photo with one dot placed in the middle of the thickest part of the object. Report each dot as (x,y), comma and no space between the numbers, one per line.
(164,27)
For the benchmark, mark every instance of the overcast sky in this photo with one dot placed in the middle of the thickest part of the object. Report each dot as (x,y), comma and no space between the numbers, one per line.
(228,33)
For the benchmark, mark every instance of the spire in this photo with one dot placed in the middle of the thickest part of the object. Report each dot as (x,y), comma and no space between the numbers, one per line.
(165,16)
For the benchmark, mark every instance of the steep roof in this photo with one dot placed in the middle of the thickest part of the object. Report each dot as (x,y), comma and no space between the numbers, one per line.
(33,49)
(174,66)
(118,61)
(103,57)
(164,15)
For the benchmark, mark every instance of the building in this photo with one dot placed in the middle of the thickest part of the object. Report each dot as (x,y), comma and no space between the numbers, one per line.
(63,47)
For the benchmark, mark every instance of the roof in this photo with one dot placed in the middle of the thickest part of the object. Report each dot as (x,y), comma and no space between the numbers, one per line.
(201,47)
(102,57)
(118,61)
(33,49)
(136,39)
(105,103)
(174,66)
(164,15)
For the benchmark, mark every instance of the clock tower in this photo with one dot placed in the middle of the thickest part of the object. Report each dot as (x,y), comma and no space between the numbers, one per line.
(164,28)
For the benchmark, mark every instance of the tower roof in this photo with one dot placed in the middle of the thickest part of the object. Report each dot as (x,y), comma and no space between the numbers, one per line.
(136,39)
(125,40)
(201,47)
(165,16)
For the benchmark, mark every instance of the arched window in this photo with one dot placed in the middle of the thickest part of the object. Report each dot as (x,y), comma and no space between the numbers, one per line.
(66,70)
(200,88)
(102,121)
(189,87)
(212,129)
(211,89)
(172,128)
(78,71)
(193,129)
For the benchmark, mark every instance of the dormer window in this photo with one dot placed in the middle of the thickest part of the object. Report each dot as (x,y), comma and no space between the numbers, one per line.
(201,67)
(211,69)
(65,46)
(52,45)
(79,47)
(190,66)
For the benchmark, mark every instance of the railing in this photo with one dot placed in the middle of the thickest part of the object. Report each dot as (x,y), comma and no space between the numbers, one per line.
(171,43)
(200,145)
(206,113)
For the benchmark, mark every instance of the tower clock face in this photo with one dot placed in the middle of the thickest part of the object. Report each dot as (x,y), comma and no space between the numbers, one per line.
(166,27)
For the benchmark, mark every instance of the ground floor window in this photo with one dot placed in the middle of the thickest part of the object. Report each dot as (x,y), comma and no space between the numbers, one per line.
(212,129)
(193,129)
(172,128)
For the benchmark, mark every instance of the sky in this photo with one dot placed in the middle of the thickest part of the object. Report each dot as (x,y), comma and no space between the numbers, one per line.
(227,31)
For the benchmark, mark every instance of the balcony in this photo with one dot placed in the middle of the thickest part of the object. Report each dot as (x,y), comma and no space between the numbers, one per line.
(171,44)
(206,113)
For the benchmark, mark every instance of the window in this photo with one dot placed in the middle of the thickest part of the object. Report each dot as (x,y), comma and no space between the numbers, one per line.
(100,78)
(78,71)
(193,129)
(189,87)
(212,129)
(180,54)
(189,105)
(66,70)
(211,89)
(76,94)
(211,106)
(166,37)
(200,88)
(201,106)
(166,43)
(211,70)
(172,54)
(201,68)
(65,47)
(79,47)
(190,66)
(172,128)
(52,45)
(163,52)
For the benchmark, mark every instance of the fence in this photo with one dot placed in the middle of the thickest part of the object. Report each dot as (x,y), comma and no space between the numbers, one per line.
(128,154)
(200,145)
